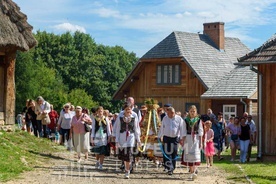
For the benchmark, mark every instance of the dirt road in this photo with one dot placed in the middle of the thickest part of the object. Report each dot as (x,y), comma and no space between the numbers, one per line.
(63,168)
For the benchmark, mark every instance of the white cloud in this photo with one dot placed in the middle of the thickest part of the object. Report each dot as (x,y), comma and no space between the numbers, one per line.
(69,27)
(107,13)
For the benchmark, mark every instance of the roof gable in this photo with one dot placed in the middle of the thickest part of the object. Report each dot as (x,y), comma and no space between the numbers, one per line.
(14,28)
(200,53)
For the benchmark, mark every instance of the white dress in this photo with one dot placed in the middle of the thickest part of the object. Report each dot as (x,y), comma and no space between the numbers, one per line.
(191,154)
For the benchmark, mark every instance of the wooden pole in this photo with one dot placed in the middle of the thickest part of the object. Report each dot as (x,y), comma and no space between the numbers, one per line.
(9,99)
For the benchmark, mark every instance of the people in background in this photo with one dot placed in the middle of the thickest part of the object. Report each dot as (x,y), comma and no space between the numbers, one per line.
(222,123)
(42,108)
(53,115)
(218,136)
(31,121)
(253,132)
(81,138)
(64,124)
(245,138)
(234,130)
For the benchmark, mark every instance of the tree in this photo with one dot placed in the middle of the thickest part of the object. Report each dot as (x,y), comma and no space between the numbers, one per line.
(61,65)
(79,97)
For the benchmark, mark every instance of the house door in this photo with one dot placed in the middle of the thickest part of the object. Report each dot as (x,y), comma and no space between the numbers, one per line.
(2,88)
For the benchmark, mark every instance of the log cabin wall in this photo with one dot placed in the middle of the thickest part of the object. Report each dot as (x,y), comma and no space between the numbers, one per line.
(268,109)
(188,91)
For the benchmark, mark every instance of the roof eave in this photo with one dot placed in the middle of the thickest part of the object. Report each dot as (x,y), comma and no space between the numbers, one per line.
(223,97)
(136,66)
(254,63)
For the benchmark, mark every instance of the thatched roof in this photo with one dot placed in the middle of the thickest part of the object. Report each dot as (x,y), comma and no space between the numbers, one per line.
(15,32)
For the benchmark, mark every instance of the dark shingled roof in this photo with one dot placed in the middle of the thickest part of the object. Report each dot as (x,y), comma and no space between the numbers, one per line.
(200,53)
(264,54)
(15,32)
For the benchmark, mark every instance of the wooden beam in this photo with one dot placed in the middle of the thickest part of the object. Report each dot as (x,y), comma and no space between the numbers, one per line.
(10,90)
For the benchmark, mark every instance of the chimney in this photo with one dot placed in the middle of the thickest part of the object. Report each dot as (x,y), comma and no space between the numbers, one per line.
(215,31)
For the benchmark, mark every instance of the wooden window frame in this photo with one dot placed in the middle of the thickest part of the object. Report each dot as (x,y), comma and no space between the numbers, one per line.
(227,115)
(171,76)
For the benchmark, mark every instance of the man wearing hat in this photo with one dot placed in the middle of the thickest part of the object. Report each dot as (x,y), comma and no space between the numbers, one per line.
(166,106)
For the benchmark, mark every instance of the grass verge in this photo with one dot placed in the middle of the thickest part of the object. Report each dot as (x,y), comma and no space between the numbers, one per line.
(20,151)
(256,171)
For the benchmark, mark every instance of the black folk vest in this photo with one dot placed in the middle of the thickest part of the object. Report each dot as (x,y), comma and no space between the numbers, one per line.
(124,125)
(189,129)
(97,126)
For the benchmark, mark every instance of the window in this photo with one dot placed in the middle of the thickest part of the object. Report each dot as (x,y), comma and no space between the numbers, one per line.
(168,74)
(229,110)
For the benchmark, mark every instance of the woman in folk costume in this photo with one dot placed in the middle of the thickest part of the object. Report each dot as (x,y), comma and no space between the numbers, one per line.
(127,132)
(100,136)
(192,141)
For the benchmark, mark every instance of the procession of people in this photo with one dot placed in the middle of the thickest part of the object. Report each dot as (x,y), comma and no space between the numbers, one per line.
(159,134)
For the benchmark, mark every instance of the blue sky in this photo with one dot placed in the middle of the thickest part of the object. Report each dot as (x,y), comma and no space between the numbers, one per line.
(138,25)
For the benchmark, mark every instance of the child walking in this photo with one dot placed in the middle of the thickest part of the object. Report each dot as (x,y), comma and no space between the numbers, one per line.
(209,145)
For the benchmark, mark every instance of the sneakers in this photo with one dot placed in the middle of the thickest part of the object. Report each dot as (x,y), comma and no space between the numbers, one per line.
(100,167)
(193,176)
(127,175)
(97,165)
(170,173)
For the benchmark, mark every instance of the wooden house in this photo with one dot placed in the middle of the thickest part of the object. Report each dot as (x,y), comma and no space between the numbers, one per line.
(188,68)
(15,34)
(263,61)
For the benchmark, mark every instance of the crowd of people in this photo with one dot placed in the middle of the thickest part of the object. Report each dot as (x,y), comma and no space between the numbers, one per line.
(104,133)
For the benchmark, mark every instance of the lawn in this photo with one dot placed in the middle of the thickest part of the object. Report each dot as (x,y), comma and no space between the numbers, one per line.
(21,152)
(256,171)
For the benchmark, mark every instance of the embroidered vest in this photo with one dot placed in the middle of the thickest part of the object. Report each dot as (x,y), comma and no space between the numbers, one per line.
(124,124)
(97,126)
(136,110)
(189,129)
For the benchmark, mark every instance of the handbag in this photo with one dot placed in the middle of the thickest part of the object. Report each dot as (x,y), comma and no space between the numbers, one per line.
(87,127)
(234,137)
(45,119)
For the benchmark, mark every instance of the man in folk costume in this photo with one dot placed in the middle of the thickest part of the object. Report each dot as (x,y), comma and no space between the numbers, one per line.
(130,100)
(127,134)
(192,141)
(100,136)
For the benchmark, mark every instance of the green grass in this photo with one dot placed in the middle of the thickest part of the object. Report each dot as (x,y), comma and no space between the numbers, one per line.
(21,152)
(257,171)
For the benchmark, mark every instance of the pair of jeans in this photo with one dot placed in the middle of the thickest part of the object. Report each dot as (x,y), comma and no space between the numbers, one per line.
(243,149)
